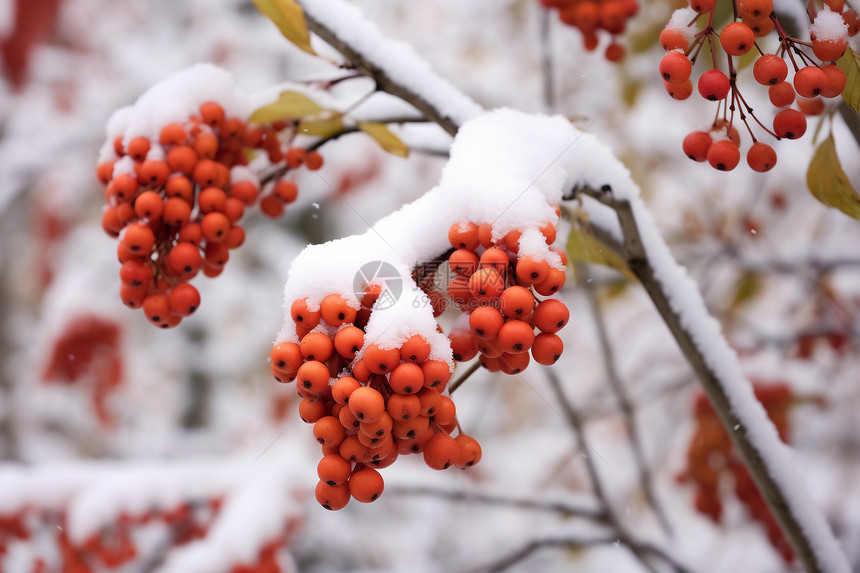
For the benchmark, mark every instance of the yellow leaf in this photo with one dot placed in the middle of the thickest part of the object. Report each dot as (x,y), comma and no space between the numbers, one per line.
(850,64)
(383,136)
(323,125)
(746,288)
(289,105)
(582,245)
(827,180)
(289,17)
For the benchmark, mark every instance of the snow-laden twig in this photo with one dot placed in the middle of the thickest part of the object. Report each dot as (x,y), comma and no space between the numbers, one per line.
(394,66)
(699,337)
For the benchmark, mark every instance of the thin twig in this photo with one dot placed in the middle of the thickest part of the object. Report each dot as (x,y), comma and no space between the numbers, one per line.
(459,381)
(621,396)
(563,509)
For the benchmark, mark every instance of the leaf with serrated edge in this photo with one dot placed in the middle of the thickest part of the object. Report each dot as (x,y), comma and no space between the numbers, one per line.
(584,246)
(850,64)
(383,136)
(289,105)
(289,17)
(827,180)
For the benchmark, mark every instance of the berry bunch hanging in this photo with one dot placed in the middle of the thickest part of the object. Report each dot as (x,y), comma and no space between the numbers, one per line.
(813,75)
(592,16)
(498,292)
(175,201)
(712,459)
(368,403)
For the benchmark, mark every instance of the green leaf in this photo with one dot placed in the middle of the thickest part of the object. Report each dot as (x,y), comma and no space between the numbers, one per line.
(383,136)
(289,105)
(827,180)
(323,125)
(289,17)
(582,245)
(850,64)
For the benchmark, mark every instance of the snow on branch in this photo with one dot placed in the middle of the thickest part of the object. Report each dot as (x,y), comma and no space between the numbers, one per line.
(395,66)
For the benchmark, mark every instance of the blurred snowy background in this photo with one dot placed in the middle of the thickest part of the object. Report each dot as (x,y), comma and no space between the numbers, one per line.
(189,420)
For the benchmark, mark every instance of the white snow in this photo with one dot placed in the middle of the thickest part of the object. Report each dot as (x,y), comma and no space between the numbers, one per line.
(397,59)
(828,26)
(681,20)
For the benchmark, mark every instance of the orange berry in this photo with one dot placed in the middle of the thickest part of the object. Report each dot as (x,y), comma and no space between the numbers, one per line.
(216,254)
(286,191)
(485,235)
(312,409)
(436,374)
(406,378)
(464,236)
(415,349)
(149,205)
(352,449)
(829,50)
(724,155)
(335,311)
(770,70)
(332,497)
(182,159)
(737,38)
(430,400)
(516,302)
(287,357)
(551,316)
(348,341)
(125,186)
(313,160)
(755,9)
(156,308)
(836,81)
(154,173)
(138,148)
(295,157)
(761,157)
(516,336)
(403,406)
(343,389)
(486,284)
(809,81)
(547,348)
(207,173)
(211,199)
(381,360)
(781,94)
(173,134)
(184,299)
(513,363)
(790,124)
(463,345)
(486,321)
(328,431)
(495,258)
(463,262)
(212,114)
(133,296)
(673,39)
(675,68)
(367,404)
(380,428)
(531,270)
(271,206)
(139,238)
(313,376)
(552,283)
(245,191)
(470,451)
(215,226)
(446,412)
(302,315)
(316,346)
(411,428)
(441,451)
(679,91)
(333,469)
(104,172)
(512,241)
(184,259)
(365,485)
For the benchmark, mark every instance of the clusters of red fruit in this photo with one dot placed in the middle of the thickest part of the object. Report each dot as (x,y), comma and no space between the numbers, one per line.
(812,81)
(368,403)
(114,546)
(711,457)
(88,348)
(496,288)
(177,206)
(591,16)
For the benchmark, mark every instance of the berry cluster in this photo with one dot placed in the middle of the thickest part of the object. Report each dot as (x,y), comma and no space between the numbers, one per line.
(711,457)
(811,80)
(176,201)
(88,348)
(367,403)
(495,288)
(591,16)
(112,547)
